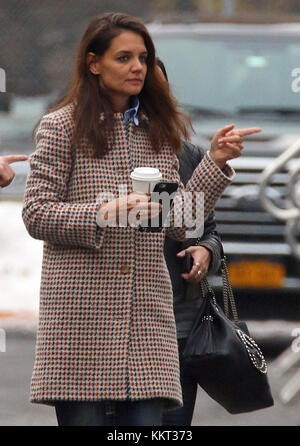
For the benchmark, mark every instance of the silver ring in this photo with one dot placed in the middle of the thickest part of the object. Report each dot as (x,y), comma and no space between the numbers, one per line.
(199,272)
(197,264)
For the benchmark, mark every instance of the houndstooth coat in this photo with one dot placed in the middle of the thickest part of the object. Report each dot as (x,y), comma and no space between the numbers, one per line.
(106,326)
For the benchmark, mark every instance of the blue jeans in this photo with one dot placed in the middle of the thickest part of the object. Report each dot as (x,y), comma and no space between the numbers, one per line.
(183,416)
(110,413)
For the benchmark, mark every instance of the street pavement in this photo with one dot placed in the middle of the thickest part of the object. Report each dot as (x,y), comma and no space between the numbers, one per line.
(16,410)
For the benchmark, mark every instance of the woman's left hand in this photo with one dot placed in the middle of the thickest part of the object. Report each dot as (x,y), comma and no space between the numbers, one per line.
(228,143)
(201,257)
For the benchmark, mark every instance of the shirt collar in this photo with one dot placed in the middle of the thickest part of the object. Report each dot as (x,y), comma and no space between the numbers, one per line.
(132,112)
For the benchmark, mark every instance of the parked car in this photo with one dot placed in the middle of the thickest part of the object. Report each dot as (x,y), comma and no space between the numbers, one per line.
(244,74)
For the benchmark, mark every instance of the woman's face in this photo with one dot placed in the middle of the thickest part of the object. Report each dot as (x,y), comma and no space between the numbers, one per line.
(123,67)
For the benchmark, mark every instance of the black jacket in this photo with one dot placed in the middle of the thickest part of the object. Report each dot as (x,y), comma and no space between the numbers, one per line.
(187,297)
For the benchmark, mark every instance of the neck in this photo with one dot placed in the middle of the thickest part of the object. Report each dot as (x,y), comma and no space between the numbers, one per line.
(120,104)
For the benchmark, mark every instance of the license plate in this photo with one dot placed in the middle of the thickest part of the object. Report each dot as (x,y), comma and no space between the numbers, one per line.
(256,274)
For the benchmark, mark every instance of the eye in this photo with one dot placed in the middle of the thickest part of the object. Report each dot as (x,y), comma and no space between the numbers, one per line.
(143,59)
(123,58)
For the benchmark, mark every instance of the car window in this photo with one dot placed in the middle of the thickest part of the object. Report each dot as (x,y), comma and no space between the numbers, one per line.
(231,73)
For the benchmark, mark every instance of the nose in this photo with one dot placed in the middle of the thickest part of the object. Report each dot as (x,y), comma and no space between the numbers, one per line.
(137,65)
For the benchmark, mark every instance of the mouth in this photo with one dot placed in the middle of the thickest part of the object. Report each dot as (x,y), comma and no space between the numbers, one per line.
(135,81)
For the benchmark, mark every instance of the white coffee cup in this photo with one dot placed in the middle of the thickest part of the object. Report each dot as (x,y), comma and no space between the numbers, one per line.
(144,179)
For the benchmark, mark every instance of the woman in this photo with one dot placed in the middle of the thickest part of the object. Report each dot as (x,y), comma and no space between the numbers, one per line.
(106,336)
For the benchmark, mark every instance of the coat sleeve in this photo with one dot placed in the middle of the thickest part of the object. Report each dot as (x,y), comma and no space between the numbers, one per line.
(46,213)
(213,243)
(210,238)
(205,187)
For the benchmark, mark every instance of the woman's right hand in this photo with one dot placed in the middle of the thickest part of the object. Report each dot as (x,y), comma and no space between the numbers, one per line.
(119,210)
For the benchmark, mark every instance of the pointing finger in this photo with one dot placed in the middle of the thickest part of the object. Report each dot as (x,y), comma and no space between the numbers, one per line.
(15,158)
(249,131)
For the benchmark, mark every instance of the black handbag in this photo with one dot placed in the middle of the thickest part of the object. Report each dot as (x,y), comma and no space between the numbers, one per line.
(225,360)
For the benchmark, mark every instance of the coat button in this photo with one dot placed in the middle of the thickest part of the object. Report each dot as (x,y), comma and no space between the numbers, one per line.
(125,269)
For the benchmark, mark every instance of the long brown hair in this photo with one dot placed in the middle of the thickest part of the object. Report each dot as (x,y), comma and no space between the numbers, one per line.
(165,122)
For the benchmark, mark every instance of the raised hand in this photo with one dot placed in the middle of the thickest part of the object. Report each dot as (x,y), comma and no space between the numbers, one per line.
(6,172)
(227,143)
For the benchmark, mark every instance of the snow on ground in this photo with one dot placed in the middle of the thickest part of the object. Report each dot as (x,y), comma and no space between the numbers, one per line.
(20,264)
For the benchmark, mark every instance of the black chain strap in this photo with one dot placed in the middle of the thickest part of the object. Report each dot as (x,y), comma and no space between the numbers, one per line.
(206,289)
(228,293)
(228,297)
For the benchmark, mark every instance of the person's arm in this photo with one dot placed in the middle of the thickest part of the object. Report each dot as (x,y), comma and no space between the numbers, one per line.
(205,187)
(210,256)
(212,242)
(211,177)
(46,212)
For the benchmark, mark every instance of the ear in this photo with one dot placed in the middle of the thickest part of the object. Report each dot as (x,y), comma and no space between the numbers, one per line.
(93,63)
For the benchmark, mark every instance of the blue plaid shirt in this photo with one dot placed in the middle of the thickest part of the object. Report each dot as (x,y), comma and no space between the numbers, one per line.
(132,112)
